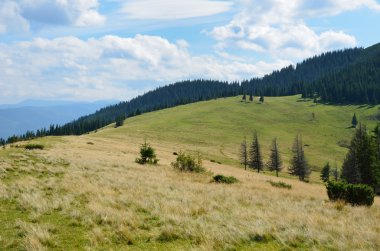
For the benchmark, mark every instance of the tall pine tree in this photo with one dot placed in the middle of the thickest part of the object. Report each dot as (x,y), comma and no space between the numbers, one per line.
(298,164)
(362,165)
(275,162)
(255,157)
(354,121)
(325,173)
(244,154)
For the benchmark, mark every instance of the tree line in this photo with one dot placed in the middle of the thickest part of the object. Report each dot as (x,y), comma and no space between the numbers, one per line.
(251,157)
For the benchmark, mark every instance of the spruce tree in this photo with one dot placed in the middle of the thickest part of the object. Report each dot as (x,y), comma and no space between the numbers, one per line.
(325,173)
(244,154)
(262,98)
(361,165)
(255,157)
(251,97)
(354,121)
(120,120)
(335,172)
(244,97)
(275,162)
(298,164)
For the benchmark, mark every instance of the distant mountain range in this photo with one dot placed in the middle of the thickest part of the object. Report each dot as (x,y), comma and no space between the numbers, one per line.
(16,119)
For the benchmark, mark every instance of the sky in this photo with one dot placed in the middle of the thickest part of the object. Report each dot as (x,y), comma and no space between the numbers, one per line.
(88,50)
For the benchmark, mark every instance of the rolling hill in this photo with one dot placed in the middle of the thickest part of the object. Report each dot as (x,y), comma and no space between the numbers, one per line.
(85,192)
(349,76)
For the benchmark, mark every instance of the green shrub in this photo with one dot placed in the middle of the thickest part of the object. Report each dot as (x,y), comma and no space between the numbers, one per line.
(224,179)
(147,155)
(34,146)
(360,195)
(336,190)
(188,163)
(355,194)
(280,184)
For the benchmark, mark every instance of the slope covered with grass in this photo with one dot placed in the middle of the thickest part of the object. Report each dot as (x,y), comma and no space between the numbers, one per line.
(217,127)
(86,192)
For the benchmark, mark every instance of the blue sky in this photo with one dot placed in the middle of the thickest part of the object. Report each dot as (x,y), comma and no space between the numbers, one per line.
(112,49)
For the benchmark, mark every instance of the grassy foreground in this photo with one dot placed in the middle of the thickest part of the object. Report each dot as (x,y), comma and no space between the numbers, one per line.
(86,193)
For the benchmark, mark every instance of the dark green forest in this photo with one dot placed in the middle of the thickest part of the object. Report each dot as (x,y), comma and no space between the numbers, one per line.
(344,76)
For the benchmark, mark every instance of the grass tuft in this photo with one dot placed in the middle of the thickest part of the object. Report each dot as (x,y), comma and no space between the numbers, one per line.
(280,184)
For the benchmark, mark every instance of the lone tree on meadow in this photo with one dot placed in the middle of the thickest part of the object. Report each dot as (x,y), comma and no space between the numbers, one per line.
(354,121)
(325,173)
(275,162)
(262,98)
(251,97)
(244,97)
(147,155)
(298,164)
(244,154)
(255,157)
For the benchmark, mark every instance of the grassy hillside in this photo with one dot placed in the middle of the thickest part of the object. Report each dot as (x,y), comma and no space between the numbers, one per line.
(216,128)
(86,193)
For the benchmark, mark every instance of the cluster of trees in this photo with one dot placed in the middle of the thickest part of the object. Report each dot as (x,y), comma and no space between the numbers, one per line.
(251,98)
(362,162)
(250,156)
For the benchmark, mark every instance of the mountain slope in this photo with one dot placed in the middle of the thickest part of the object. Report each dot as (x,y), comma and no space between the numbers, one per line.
(217,127)
(86,193)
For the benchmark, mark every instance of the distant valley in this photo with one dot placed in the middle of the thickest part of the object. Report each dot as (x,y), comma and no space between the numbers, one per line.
(35,114)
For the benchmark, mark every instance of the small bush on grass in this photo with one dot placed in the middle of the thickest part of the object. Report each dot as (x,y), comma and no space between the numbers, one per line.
(355,194)
(280,184)
(34,146)
(188,163)
(360,195)
(336,190)
(147,155)
(224,179)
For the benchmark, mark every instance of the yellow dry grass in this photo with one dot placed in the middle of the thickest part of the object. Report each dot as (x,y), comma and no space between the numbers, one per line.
(120,205)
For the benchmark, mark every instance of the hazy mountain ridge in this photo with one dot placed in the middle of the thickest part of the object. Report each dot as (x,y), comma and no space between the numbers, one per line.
(35,114)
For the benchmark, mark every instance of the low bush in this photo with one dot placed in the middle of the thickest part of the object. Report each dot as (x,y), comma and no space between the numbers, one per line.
(360,195)
(336,190)
(34,146)
(224,179)
(188,163)
(280,184)
(355,194)
(147,155)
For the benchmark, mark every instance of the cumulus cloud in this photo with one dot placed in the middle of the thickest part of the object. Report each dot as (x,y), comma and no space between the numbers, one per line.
(279,27)
(19,15)
(109,67)
(174,9)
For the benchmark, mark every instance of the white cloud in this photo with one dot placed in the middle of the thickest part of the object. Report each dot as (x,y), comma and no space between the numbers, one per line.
(278,27)
(19,15)
(109,67)
(10,18)
(174,9)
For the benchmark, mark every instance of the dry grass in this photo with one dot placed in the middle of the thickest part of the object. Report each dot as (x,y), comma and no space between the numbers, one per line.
(121,205)
(35,237)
